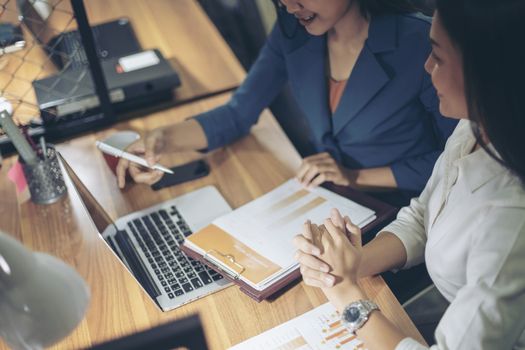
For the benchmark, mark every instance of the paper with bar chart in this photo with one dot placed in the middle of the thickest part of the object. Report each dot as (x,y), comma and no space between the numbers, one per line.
(255,241)
(318,329)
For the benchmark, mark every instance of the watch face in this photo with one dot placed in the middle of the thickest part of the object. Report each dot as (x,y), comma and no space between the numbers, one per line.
(351,314)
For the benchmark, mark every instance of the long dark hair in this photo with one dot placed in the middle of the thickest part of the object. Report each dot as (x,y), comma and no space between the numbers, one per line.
(368,8)
(380,7)
(489,34)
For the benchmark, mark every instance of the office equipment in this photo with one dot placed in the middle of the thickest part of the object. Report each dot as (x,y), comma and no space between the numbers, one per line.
(319,329)
(112,39)
(44,178)
(253,245)
(186,333)
(147,242)
(6,123)
(182,173)
(120,153)
(11,38)
(42,299)
(70,95)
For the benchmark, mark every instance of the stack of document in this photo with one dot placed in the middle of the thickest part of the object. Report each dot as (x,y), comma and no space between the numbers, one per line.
(253,245)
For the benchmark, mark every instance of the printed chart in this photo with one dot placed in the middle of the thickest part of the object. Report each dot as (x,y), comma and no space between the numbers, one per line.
(319,329)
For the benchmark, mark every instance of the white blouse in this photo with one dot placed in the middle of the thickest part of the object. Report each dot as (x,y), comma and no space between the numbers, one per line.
(468,225)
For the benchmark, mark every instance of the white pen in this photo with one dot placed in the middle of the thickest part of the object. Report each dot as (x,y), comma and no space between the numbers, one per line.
(104,147)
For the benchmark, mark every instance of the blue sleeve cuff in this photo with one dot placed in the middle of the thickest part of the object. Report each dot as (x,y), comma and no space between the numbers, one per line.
(220,127)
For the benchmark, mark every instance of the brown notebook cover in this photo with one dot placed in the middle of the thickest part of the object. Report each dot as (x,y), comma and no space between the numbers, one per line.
(244,287)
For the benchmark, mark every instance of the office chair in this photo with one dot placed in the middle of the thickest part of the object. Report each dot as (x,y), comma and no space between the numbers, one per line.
(425,6)
(184,333)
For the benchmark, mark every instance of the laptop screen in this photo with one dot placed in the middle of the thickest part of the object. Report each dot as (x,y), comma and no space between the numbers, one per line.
(100,217)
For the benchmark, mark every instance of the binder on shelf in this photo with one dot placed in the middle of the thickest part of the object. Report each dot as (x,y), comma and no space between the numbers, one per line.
(253,245)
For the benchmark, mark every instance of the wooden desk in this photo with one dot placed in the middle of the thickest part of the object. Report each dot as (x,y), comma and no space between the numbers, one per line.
(241,172)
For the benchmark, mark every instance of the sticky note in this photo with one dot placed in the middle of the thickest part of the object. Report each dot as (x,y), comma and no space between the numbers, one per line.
(16,174)
(137,61)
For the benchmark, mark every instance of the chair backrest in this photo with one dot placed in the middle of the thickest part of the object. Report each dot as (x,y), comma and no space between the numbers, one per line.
(425,6)
(293,122)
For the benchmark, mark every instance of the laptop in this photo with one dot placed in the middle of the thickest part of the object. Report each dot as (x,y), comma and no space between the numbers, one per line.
(147,242)
(112,39)
(186,333)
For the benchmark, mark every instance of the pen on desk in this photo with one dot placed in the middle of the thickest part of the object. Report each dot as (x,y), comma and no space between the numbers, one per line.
(116,152)
(43,147)
(15,135)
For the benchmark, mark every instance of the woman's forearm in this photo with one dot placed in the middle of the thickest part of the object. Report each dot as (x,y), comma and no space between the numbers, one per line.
(185,136)
(383,253)
(374,178)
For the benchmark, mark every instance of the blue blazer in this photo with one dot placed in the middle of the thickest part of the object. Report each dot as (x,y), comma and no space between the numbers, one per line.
(388,114)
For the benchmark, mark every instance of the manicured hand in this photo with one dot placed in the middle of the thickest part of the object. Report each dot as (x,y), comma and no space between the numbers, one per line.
(343,247)
(315,272)
(327,256)
(150,147)
(320,168)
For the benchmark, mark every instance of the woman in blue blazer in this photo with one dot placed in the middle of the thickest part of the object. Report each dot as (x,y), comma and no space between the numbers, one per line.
(355,68)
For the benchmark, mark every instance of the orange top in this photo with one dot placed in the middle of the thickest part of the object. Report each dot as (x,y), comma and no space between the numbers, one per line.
(335,90)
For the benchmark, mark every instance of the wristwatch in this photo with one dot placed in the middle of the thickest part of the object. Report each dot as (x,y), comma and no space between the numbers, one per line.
(356,314)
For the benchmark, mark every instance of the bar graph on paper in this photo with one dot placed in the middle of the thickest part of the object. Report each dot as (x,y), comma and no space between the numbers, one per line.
(279,215)
(319,329)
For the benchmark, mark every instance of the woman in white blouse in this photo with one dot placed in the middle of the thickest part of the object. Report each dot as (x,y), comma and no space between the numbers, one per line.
(468,225)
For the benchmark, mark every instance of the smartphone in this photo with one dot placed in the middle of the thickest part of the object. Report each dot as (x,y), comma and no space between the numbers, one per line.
(182,173)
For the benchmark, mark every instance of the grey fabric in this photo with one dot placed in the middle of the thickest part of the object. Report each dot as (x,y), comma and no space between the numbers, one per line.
(425,309)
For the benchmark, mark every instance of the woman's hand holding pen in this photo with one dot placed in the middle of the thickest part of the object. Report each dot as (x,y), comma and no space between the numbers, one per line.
(184,136)
(151,146)
(330,255)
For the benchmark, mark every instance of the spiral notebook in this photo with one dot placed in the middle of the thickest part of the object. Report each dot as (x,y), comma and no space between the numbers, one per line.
(253,245)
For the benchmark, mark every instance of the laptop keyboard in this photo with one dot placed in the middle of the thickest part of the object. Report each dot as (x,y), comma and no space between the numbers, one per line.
(159,235)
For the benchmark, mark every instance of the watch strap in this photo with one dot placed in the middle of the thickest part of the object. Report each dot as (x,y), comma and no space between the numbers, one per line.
(370,305)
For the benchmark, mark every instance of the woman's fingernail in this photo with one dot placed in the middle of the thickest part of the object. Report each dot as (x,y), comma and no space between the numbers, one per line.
(329,280)
(324,268)
(316,251)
